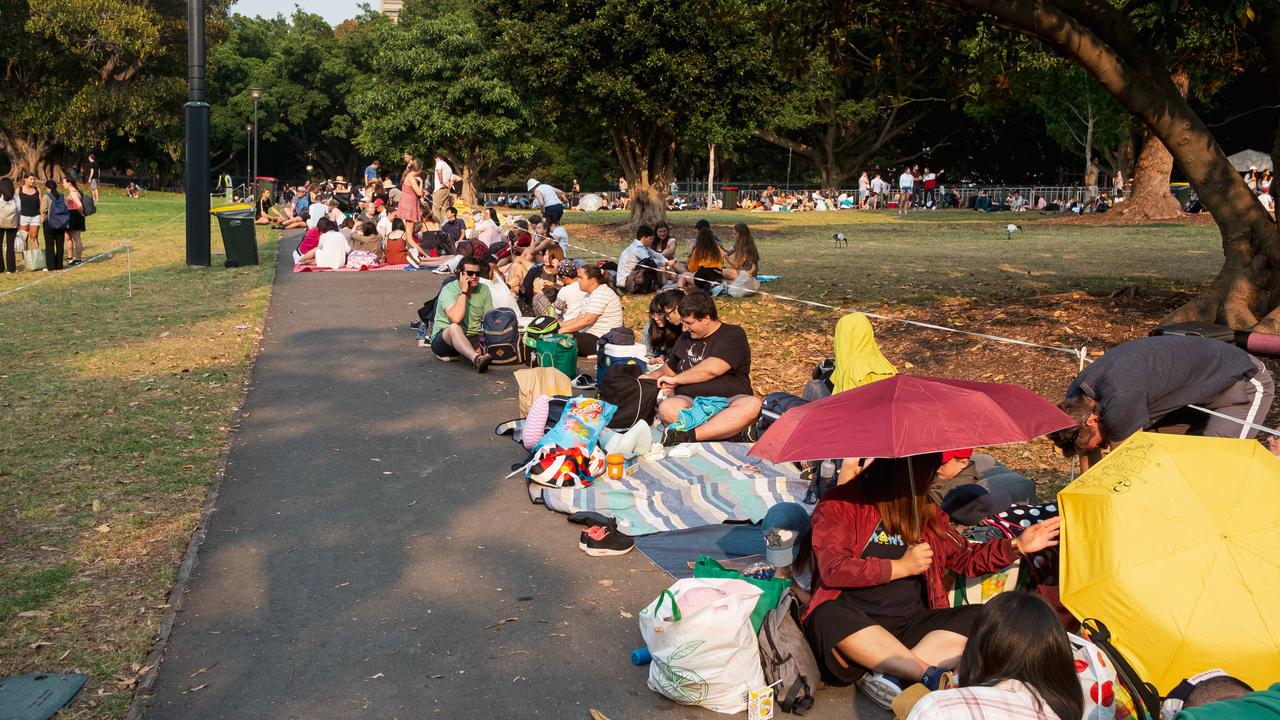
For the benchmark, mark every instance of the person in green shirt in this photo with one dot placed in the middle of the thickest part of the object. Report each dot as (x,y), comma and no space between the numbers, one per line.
(460,308)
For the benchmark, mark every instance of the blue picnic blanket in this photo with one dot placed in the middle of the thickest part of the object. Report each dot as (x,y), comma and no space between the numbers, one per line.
(707,488)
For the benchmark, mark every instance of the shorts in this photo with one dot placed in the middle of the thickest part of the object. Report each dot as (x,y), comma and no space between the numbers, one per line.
(553,213)
(93,184)
(441,347)
(837,619)
(28,220)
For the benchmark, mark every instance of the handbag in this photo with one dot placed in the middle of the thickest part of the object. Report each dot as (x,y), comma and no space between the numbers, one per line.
(34,259)
(771,590)
(559,351)
(20,242)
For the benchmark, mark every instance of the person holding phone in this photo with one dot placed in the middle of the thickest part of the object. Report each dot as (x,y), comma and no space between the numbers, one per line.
(460,309)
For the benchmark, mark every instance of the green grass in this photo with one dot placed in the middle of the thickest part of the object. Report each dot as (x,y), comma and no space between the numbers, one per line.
(924,257)
(116,409)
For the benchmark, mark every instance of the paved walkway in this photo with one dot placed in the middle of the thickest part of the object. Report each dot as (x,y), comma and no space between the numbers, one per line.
(367,559)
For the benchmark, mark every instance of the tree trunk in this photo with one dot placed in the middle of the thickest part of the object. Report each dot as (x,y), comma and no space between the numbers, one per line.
(28,152)
(711,175)
(469,194)
(1103,40)
(1151,199)
(647,156)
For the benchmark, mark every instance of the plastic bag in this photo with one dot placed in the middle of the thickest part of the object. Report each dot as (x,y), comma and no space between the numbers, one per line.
(743,285)
(771,590)
(580,425)
(707,656)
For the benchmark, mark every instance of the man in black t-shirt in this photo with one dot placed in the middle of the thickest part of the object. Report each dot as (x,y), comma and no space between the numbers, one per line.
(452,226)
(1149,382)
(711,359)
(92,174)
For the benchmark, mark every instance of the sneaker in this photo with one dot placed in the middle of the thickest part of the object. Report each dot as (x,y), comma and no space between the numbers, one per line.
(604,540)
(415,324)
(935,678)
(441,270)
(882,689)
(671,436)
(413,261)
(751,434)
(482,362)
(422,342)
(444,358)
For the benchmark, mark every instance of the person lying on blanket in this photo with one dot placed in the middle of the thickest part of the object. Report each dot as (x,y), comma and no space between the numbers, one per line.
(1147,384)
(879,614)
(710,359)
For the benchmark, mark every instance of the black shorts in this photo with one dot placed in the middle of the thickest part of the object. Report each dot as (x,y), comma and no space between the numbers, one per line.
(441,347)
(553,213)
(837,619)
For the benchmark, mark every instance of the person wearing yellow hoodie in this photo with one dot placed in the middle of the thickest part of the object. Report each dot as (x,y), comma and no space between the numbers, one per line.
(858,362)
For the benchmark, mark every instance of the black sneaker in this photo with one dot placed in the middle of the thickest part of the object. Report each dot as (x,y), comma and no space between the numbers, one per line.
(751,434)
(604,540)
(482,362)
(671,436)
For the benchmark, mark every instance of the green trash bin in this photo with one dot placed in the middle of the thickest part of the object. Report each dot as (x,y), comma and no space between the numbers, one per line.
(729,198)
(239,237)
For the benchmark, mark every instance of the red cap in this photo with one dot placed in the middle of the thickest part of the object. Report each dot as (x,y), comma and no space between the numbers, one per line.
(377,202)
(953,454)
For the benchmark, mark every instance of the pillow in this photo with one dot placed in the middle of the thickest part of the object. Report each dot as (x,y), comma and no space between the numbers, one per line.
(535,423)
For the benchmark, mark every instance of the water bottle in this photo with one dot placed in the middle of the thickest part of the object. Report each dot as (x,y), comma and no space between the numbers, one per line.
(641,656)
(827,473)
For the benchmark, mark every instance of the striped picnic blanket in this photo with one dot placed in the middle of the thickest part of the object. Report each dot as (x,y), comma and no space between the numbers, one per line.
(707,488)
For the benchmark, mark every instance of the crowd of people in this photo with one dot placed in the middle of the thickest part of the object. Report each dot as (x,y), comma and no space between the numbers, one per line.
(53,210)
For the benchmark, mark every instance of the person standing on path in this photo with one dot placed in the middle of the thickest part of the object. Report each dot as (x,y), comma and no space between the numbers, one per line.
(411,192)
(75,203)
(442,186)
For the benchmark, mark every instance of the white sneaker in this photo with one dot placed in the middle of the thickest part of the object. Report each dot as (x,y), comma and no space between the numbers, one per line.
(882,689)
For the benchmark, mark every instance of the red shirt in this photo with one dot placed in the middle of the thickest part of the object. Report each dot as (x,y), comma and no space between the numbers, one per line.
(309,241)
(842,528)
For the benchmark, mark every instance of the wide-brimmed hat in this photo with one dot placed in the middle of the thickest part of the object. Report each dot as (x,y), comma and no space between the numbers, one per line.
(531,184)
(387,184)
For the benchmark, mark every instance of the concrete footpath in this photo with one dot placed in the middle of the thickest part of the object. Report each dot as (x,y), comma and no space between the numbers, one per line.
(366,558)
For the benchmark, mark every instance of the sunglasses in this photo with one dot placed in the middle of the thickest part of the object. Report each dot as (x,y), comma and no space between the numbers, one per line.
(471,273)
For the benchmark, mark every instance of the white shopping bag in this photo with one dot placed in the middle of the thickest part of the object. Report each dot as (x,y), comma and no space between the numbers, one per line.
(706,653)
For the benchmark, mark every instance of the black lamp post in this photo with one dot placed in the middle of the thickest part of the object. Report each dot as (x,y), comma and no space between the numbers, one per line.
(197,150)
(255,93)
(248,161)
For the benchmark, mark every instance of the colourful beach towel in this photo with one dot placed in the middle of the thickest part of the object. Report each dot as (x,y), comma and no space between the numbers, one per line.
(707,488)
(362,268)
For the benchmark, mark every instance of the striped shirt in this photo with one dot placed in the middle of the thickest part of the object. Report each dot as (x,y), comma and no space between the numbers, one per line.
(1009,700)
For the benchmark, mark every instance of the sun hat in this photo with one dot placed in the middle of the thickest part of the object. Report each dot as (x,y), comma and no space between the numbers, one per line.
(531,184)
(783,526)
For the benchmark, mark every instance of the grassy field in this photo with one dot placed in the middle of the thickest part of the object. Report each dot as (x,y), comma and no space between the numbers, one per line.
(118,407)
(116,410)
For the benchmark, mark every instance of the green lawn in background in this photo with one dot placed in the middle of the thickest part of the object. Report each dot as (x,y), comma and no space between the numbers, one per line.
(116,409)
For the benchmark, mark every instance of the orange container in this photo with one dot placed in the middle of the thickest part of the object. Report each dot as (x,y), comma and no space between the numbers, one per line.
(616,464)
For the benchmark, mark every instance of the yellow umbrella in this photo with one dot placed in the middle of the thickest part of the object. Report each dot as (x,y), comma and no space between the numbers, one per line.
(1174,543)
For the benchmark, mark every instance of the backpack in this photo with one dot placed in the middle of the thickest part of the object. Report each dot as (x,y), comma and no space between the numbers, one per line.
(500,335)
(8,214)
(59,213)
(786,658)
(87,205)
(636,398)
(427,313)
(775,404)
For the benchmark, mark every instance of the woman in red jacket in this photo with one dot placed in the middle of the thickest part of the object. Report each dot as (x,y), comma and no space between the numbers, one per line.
(879,604)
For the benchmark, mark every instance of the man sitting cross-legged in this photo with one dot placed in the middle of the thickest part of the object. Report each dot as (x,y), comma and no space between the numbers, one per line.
(710,359)
(460,308)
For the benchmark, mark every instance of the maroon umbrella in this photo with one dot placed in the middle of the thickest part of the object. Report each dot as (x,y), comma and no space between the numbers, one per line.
(908,415)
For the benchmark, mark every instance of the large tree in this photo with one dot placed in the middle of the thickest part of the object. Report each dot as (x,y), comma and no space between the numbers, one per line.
(649,72)
(1104,39)
(441,88)
(78,71)
(855,80)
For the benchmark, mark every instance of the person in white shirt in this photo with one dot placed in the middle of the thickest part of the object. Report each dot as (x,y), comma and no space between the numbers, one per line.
(879,189)
(315,211)
(864,190)
(601,310)
(549,198)
(443,180)
(332,251)
(639,250)
(906,185)
(498,290)
(485,227)
(385,222)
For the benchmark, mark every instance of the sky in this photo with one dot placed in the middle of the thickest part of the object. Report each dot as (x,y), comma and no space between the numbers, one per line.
(335,11)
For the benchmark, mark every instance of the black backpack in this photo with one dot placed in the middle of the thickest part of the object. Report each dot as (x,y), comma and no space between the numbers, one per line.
(776,403)
(87,205)
(636,398)
(500,335)
(427,313)
(786,658)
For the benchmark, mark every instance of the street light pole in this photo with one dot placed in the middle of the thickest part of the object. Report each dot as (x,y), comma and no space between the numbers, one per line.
(255,93)
(248,161)
(199,253)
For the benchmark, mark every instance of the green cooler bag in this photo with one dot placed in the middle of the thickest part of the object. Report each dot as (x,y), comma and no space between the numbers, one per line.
(559,351)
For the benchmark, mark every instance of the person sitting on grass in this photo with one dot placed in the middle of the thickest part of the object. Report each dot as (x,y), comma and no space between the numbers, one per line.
(706,262)
(663,330)
(710,359)
(601,310)
(744,257)
(640,263)
(267,213)
(880,609)
(460,308)
(1017,664)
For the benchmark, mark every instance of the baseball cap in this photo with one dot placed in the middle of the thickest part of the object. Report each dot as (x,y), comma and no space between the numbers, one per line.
(377,202)
(954,454)
(783,526)
(567,268)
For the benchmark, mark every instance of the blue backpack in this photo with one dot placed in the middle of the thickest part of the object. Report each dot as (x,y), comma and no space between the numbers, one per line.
(500,335)
(59,213)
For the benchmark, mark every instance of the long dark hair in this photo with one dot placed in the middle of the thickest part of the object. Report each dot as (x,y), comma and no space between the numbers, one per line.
(887,484)
(744,247)
(52,187)
(6,189)
(1019,637)
(706,249)
(662,337)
